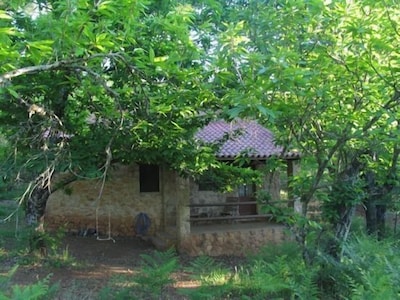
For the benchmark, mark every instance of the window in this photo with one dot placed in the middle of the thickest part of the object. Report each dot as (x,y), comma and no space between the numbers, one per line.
(246,190)
(149,177)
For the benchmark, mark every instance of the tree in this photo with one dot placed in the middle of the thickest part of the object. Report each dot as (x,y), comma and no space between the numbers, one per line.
(327,71)
(88,83)
(85,84)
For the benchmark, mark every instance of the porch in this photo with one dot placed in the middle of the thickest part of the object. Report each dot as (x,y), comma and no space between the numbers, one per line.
(236,227)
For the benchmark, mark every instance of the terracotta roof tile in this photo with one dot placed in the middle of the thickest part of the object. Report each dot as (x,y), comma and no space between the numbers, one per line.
(242,136)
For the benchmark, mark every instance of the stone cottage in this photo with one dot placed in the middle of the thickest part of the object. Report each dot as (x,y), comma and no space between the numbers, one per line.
(185,211)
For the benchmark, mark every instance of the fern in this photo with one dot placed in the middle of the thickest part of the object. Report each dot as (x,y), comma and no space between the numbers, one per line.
(202,265)
(158,258)
(156,272)
(5,279)
(216,281)
(370,267)
(31,292)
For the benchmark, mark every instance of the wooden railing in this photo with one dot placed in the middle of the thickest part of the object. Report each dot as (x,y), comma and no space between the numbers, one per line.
(235,208)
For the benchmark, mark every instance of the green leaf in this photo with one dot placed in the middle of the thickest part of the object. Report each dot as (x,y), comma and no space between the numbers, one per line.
(151,55)
(4,15)
(43,45)
(13,93)
(266,112)
(8,31)
(235,111)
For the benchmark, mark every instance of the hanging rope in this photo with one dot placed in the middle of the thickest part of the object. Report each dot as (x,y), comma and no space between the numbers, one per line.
(106,167)
(108,238)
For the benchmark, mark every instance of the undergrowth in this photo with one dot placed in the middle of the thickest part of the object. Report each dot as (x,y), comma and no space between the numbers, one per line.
(150,283)
(38,290)
(368,269)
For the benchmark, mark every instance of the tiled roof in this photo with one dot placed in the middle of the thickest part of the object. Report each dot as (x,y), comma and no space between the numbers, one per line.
(242,136)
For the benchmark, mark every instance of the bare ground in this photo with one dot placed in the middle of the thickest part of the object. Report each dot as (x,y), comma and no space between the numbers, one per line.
(94,264)
(97,263)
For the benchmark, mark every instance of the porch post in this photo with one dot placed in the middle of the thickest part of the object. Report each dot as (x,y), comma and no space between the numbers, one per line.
(182,209)
(272,185)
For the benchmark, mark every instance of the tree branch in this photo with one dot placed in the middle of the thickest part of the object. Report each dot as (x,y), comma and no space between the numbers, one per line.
(62,64)
(31,70)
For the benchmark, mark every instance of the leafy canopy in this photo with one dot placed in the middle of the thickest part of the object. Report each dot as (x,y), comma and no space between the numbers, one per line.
(85,81)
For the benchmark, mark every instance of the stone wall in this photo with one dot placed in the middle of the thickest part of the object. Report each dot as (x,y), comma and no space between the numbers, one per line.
(74,207)
(238,242)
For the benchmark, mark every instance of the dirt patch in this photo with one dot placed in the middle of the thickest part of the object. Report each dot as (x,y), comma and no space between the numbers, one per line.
(98,262)
(95,263)
(117,252)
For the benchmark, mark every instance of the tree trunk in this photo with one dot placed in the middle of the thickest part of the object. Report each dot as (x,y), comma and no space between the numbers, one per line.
(36,203)
(378,195)
(370,216)
(37,200)
(36,206)
(343,226)
(381,220)
(375,218)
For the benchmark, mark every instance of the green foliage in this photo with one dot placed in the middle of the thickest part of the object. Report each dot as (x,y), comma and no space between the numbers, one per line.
(150,282)
(202,265)
(133,84)
(215,280)
(375,264)
(35,291)
(288,275)
(81,85)
(54,255)
(276,272)
(68,190)
(327,75)
(5,279)
(368,270)
(217,285)
(156,270)
(227,177)
(39,290)
(344,194)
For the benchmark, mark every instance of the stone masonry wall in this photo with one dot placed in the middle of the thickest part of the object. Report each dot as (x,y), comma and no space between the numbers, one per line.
(232,242)
(75,206)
